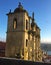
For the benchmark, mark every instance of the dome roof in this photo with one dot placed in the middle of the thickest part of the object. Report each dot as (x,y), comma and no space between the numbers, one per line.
(19,9)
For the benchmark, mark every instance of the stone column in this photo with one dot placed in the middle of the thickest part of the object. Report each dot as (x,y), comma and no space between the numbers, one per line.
(33,52)
(28,49)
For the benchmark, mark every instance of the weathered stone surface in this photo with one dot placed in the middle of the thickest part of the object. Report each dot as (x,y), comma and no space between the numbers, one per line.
(19,42)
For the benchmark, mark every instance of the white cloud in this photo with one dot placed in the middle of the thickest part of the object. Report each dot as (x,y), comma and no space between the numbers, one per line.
(48,40)
(2,39)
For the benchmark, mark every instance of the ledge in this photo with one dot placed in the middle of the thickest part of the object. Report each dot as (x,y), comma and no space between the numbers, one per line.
(13,61)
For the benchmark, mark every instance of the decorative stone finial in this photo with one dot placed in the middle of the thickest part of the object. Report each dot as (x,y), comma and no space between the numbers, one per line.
(20,6)
(10,11)
(19,3)
(33,15)
(32,24)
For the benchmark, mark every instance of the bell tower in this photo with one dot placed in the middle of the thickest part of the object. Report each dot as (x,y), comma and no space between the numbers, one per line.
(23,36)
(17,36)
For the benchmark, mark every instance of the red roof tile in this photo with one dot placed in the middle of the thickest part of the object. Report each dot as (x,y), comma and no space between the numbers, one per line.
(2,45)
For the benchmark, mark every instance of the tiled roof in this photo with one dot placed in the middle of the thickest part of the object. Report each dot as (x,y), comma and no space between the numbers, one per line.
(2,45)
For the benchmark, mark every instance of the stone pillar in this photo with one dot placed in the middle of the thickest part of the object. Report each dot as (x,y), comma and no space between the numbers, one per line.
(33,52)
(28,49)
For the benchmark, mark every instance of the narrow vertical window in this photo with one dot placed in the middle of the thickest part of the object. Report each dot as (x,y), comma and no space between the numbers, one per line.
(26,24)
(15,24)
(26,42)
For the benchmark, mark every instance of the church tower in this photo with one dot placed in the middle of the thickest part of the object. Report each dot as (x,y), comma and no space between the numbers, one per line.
(23,36)
(17,36)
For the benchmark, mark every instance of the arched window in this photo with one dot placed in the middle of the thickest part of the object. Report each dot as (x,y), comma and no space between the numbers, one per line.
(26,25)
(15,23)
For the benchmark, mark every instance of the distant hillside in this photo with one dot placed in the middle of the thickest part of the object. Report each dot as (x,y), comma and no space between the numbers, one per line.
(46,46)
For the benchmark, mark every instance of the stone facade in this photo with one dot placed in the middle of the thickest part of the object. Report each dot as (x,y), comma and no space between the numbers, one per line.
(23,36)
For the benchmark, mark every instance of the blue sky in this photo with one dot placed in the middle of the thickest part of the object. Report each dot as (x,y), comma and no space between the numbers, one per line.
(41,9)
